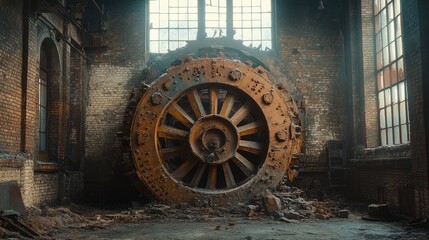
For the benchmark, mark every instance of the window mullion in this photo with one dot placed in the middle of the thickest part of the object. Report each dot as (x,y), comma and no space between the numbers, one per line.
(229,19)
(201,20)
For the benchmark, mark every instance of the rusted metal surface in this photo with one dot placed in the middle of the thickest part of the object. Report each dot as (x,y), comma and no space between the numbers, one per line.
(10,199)
(212,128)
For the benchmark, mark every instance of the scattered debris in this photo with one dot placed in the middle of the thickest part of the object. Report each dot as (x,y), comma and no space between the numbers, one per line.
(272,203)
(286,204)
(286,220)
(252,210)
(378,212)
(343,213)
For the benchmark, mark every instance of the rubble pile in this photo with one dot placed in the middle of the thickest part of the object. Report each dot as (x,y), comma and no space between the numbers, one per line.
(286,204)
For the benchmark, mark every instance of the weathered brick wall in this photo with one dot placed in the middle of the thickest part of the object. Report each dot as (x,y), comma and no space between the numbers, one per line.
(10,75)
(113,72)
(311,47)
(45,187)
(370,181)
(12,165)
(19,75)
(372,136)
(414,30)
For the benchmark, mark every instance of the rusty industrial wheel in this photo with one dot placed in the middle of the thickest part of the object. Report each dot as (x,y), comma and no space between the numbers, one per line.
(213,128)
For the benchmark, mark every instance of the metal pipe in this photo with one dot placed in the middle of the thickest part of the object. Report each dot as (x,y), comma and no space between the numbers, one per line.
(24,73)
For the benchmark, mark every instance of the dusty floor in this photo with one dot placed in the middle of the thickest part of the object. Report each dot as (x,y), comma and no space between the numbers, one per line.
(253,229)
(286,214)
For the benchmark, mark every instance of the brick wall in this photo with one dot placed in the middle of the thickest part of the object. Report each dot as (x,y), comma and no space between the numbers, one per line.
(10,75)
(372,136)
(414,42)
(371,181)
(45,187)
(311,47)
(21,37)
(114,70)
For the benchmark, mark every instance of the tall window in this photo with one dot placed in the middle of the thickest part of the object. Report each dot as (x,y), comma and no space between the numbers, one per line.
(173,22)
(252,23)
(391,80)
(43,105)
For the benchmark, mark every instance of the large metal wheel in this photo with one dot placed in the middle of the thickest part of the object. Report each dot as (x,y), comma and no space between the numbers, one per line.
(213,128)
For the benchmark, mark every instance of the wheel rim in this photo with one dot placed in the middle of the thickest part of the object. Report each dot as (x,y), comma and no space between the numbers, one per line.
(212,137)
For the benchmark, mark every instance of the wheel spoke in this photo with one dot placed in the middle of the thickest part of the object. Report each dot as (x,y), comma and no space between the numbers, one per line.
(213,100)
(184,169)
(227,105)
(249,146)
(181,115)
(241,114)
(165,131)
(245,165)
(250,128)
(196,104)
(229,177)
(211,181)
(198,175)
(172,151)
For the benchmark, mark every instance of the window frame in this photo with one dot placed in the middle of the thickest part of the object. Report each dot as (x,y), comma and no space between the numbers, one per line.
(391,132)
(43,154)
(202,33)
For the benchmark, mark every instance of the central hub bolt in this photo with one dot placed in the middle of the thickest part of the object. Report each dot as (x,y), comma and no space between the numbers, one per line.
(214,139)
(214,143)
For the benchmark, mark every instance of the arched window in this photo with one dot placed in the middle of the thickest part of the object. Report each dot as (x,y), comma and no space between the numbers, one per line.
(49,110)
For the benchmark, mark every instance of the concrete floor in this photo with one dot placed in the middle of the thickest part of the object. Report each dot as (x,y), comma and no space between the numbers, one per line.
(352,228)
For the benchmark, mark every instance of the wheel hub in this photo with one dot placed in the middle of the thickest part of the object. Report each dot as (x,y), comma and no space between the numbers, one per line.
(213,139)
